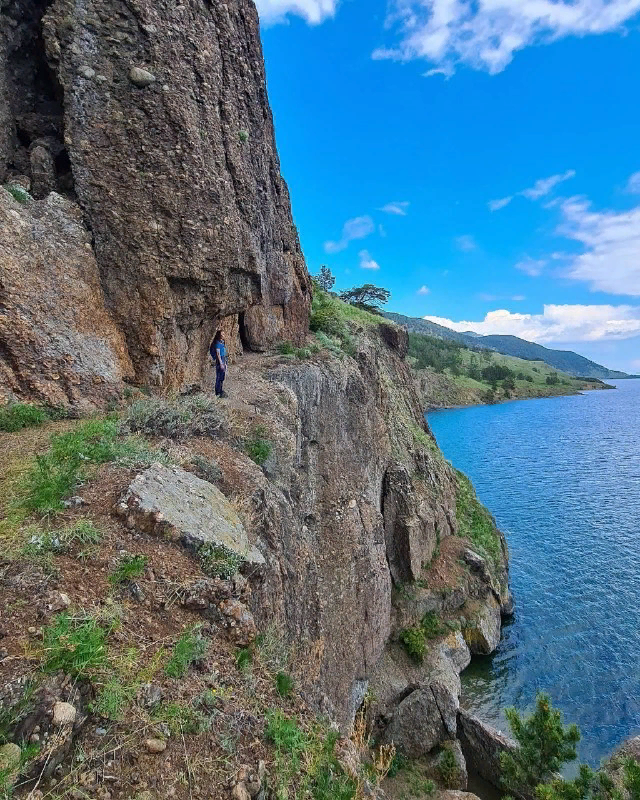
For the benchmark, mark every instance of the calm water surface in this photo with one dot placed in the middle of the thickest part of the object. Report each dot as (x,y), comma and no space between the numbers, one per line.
(562,477)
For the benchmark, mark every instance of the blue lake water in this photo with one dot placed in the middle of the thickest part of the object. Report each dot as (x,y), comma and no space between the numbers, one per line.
(562,477)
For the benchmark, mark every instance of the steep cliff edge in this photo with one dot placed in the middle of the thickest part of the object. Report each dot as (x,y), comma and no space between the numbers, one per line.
(154,117)
(363,542)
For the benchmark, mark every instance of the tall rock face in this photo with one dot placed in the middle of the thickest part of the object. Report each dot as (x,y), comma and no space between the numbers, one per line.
(154,117)
(58,344)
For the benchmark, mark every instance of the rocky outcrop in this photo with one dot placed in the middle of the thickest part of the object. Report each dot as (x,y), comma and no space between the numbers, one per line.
(170,502)
(482,746)
(155,117)
(58,344)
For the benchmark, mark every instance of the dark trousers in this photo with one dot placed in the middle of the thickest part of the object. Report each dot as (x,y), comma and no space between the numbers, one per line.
(220,376)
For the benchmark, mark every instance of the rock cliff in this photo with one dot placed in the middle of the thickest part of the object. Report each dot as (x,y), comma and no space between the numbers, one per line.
(154,118)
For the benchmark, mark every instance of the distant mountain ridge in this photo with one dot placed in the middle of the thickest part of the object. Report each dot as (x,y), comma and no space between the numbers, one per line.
(563,360)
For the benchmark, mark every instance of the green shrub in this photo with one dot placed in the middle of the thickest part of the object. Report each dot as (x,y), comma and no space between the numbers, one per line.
(284,684)
(398,763)
(19,194)
(432,626)
(413,641)
(17,416)
(130,567)
(76,646)
(632,778)
(258,446)
(286,348)
(447,768)
(218,561)
(287,738)
(190,647)
(328,320)
(112,699)
(545,746)
(243,136)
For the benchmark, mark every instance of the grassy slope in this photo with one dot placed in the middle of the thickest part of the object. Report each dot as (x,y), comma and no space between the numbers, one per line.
(445,389)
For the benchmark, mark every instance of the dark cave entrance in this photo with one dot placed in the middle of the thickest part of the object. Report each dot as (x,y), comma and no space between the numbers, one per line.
(36,103)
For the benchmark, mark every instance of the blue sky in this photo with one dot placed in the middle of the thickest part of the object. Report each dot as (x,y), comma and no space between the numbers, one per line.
(479,159)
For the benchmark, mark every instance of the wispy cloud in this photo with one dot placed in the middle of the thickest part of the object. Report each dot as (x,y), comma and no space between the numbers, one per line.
(397,208)
(541,188)
(465,243)
(424,290)
(557,323)
(531,266)
(518,298)
(496,205)
(633,185)
(487,298)
(357,228)
(366,262)
(611,240)
(313,11)
(485,35)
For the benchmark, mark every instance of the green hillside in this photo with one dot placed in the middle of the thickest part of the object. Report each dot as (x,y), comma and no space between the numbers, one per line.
(450,374)
(562,360)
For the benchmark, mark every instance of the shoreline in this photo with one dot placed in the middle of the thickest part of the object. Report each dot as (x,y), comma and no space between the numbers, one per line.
(429,408)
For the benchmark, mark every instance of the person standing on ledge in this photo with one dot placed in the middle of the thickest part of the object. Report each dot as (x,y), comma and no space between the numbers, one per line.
(218,353)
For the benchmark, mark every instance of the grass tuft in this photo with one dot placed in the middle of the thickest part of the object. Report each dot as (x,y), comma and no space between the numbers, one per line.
(284,684)
(190,647)
(130,567)
(258,447)
(77,646)
(218,561)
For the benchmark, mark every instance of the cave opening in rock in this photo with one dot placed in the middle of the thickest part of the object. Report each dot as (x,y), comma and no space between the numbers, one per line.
(37,152)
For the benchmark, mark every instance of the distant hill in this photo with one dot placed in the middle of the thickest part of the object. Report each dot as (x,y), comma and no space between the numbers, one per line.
(564,360)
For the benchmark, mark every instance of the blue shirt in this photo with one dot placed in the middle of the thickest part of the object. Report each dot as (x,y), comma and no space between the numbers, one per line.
(221,351)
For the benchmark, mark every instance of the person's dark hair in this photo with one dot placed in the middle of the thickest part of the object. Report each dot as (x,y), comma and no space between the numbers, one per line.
(217,337)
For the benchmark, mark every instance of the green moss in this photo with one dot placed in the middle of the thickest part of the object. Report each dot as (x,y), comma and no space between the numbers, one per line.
(475,522)
(258,447)
(19,194)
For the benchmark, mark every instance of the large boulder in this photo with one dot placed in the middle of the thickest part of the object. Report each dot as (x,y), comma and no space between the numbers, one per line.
(482,746)
(482,634)
(416,726)
(58,344)
(170,501)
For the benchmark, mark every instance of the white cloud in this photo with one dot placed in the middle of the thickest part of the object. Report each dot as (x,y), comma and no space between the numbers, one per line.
(633,186)
(357,228)
(531,267)
(397,208)
(542,187)
(611,240)
(518,298)
(557,323)
(486,34)
(496,205)
(366,262)
(424,290)
(466,243)
(313,11)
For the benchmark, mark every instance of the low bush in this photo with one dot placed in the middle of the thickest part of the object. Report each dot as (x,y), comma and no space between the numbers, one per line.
(447,768)
(206,469)
(190,647)
(17,416)
(173,417)
(414,642)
